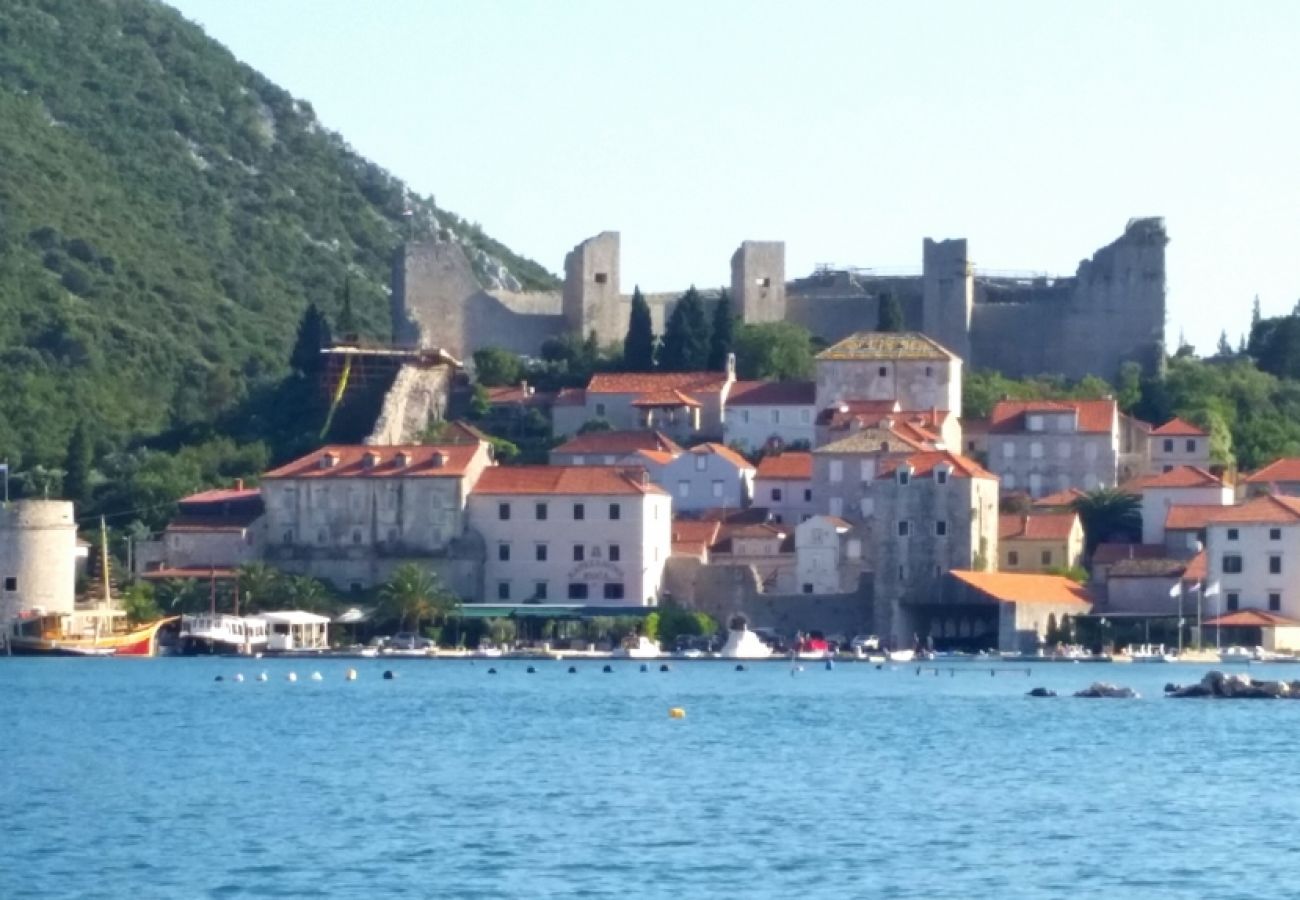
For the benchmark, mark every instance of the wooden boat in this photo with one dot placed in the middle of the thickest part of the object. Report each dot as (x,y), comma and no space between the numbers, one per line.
(83,633)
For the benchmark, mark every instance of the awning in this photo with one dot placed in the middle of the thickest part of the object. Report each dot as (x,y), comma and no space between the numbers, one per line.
(547,611)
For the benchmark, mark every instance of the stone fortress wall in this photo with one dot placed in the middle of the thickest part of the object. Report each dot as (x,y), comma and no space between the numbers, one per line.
(1110,311)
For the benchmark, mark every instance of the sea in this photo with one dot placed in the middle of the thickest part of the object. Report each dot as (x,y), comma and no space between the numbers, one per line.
(459,779)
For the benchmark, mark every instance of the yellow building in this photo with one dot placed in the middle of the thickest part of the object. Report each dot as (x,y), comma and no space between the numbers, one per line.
(1040,541)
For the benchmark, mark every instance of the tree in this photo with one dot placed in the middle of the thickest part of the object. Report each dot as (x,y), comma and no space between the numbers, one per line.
(139,605)
(686,336)
(722,336)
(307,593)
(1255,314)
(674,623)
(413,593)
(495,367)
(260,586)
(890,315)
(639,344)
(313,334)
(776,350)
(1109,514)
(1224,348)
(348,327)
(480,403)
(77,465)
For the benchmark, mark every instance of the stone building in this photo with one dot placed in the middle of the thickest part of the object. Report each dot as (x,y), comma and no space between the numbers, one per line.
(783,484)
(1282,476)
(220,529)
(38,558)
(999,610)
(1045,446)
(844,472)
(1179,443)
(770,413)
(1110,311)
(687,406)
(1174,487)
(597,536)
(707,476)
(350,514)
(829,555)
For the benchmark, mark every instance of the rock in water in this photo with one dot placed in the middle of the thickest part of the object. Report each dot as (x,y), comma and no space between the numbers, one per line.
(1042,692)
(1108,691)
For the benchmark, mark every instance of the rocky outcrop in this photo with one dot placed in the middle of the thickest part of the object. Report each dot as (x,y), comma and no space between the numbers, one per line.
(417,399)
(1221,686)
(1108,691)
(1042,692)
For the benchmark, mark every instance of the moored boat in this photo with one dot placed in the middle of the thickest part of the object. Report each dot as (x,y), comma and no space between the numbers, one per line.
(83,633)
(641,648)
(744,644)
(218,634)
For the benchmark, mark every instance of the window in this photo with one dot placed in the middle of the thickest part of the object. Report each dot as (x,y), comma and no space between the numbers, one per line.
(602,278)
(1035,423)
(579,459)
(540,553)
(1234,601)
(941,476)
(577,590)
(615,553)
(287,538)
(904,528)
(941,528)
(541,512)
(579,552)
(701,462)
(1008,450)
(717,487)
(503,552)
(805,416)
(1275,534)
(776,417)
(503,590)
(1036,450)
(1009,481)
(778,518)
(1063,450)
(322,536)
(763,282)
(683,489)
(1233,534)
(882,371)
(539,590)
(1231,564)
(868,469)
(1013,558)
(744,416)
(503,511)
(904,475)
(1047,557)
(579,512)
(1169,445)
(837,506)
(613,590)
(1275,565)
(776,495)
(615,512)
(854,549)
(1191,445)
(1167,469)
(807,495)
(11,584)
(600,410)
(807,588)
(837,470)
(1035,484)
(356,537)
(929,371)
(1274,601)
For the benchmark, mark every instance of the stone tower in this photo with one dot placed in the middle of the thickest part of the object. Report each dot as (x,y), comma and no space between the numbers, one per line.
(948,294)
(758,281)
(38,557)
(592,301)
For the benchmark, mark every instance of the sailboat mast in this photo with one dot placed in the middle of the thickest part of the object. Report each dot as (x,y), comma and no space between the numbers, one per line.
(103,553)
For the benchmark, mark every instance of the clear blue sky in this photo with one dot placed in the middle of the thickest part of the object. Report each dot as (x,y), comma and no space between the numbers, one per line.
(848,130)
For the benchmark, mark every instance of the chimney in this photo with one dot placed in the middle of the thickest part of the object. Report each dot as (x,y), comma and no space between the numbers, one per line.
(239,484)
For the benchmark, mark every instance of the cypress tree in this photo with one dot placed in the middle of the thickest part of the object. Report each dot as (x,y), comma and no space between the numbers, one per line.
(890,315)
(313,334)
(686,336)
(722,339)
(347,324)
(76,467)
(1225,349)
(639,345)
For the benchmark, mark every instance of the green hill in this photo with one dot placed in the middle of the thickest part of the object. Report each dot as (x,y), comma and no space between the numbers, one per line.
(166,214)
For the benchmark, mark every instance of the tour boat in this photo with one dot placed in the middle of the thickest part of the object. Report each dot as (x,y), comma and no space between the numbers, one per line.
(218,634)
(1148,653)
(641,648)
(82,633)
(744,644)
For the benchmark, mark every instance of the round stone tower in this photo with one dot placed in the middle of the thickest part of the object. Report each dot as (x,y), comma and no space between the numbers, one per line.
(38,553)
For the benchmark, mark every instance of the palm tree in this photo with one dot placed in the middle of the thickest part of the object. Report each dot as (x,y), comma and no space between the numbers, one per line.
(413,593)
(307,593)
(1109,514)
(260,586)
(181,595)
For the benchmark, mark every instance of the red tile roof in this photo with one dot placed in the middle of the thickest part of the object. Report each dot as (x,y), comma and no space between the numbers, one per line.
(571,397)
(790,465)
(1253,618)
(655,457)
(567,480)
(1060,498)
(1190,516)
(655,382)
(350,461)
(724,452)
(1177,427)
(665,398)
(1177,477)
(1264,510)
(1286,469)
(1005,587)
(1037,526)
(222,495)
(1106,554)
(518,395)
(694,537)
(1197,568)
(772,393)
(923,465)
(618,443)
(1094,416)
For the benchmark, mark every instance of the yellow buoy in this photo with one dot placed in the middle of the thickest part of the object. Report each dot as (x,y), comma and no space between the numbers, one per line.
(676,713)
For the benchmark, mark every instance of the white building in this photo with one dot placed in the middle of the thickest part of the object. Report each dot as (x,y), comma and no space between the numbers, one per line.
(592,535)
(766,413)
(708,476)
(1253,555)
(828,556)
(1179,443)
(1178,486)
(783,485)
(1044,446)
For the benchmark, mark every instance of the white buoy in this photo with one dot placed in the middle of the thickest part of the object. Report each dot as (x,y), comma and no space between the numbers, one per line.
(261,676)
(351,675)
(292,676)
(239,676)
(316,676)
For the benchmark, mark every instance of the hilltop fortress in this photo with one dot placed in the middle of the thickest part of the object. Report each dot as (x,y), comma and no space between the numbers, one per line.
(1110,311)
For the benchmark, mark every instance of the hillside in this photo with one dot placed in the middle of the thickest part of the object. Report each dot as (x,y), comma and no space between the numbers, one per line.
(166,214)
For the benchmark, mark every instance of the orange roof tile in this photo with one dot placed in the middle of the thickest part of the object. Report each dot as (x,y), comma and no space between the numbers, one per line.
(1006,587)
(694,537)
(1190,516)
(1094,416)
(772,393)
(1197,568)
(362,461)
(924,463)
(518,395)
(1037,526)
(1177,477)
(222,495)
(1266,509)
(724,452)
(618,443)
(656,457)
(665,398)
(1285,469)
(790,465)
(654,382)
(568,480)
(1060,498)
(1253,618)
(1177,427)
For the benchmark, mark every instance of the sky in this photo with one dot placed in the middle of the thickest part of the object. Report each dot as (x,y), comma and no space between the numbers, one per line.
(849,130)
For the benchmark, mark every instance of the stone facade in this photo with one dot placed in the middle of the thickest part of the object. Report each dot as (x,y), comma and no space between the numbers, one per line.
(708,476)
(1043,447)
(38,557)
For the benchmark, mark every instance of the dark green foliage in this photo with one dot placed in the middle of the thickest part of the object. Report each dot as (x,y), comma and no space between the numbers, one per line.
(494,367)
(1275,345)
(1224,348)
(890,316)
(77,465)
(776,350)
(686,336)
(349,328)
(639,345)
(981,390)
(313,335)
(1109,515)
(722,335)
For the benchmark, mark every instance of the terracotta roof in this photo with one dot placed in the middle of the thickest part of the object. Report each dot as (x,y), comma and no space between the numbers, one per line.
(517,395)
(866,413)
(1266,509)
(724,452)
(1148,568)
(694,537)
(349,461)
(772,393)
(1177,477)
(655,457)
(1286,469)
(571,397)
(1006,587)
(887,345)
(1190,516)
(1037,526)
(1060,498)
(567,480)
(923,465)
(1177,427)
(1108,554)
(1253,618)
(618,443)
(1094,416)
(876,440)
(665,398)
(222,495)
(655,382)
(790,465)
(1197,568)
(758,530)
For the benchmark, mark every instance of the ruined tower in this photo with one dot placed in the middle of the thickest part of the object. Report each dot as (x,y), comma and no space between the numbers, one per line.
(592,301)
(948,294)
(758,281)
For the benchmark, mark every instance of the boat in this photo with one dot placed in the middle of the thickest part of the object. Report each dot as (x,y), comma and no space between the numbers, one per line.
(219,634)
(641,648)
(1236,654)
(902,656)
(1149,653)
(744,644)
(812,648)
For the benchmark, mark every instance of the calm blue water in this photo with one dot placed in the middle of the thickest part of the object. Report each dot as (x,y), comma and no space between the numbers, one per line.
(131,779)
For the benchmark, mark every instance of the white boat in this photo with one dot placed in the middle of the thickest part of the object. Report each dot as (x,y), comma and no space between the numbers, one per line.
(642,648)
(1236,655)
(218,633)
(902,656)
(488,652)
(1149,653)
(744,644)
